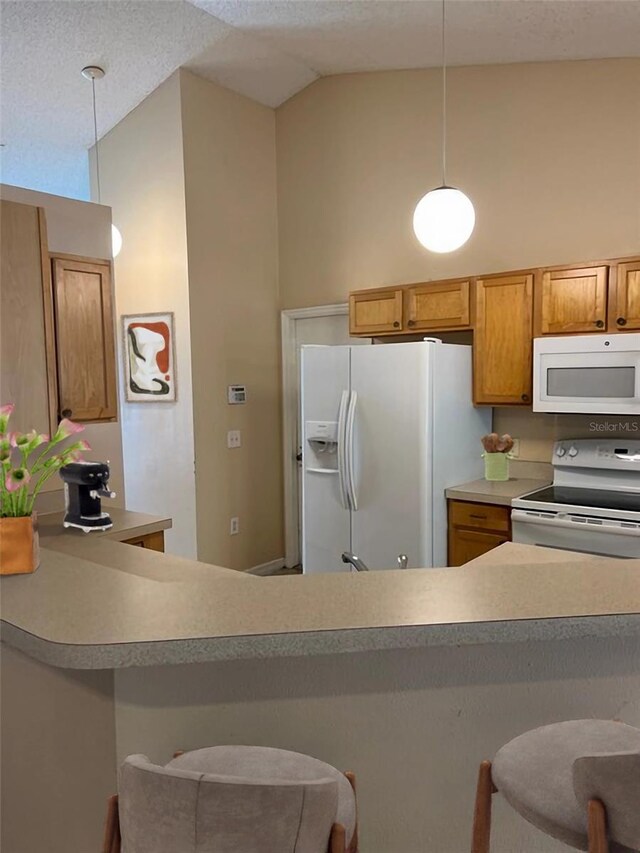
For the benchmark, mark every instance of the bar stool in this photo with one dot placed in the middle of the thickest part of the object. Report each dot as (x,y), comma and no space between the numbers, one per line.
(577,781)
(232,799)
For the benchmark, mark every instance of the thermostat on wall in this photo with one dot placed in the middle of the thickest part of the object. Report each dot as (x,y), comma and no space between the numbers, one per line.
(236,394)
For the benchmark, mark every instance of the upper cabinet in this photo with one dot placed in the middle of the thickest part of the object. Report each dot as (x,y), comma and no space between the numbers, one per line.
(625,301)
(85,348)
(572,301)
(27,347)
(505,312)
(438,305)
(502,348)
(375,312)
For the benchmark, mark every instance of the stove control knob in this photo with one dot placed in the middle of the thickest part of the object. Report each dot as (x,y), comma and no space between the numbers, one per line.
(573,451)
(560,451)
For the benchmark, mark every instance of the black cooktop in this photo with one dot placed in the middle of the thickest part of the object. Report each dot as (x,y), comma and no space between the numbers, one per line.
(594,498)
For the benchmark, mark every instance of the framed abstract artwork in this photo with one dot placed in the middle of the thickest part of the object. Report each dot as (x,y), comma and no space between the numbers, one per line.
(149,358)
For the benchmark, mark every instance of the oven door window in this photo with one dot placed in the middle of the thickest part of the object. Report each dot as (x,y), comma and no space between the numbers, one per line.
(591,383)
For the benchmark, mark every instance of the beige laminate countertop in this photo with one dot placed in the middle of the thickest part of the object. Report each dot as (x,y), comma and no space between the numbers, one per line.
(491,492)
(125,525)
(99,604)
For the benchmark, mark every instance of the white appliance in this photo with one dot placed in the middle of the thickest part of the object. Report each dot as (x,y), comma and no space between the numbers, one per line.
(593,374)
(385,429)
(593,505)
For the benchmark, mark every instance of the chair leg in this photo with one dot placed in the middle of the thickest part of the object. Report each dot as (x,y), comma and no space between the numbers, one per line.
(597,827)
(482,813)
(111,843)
(353,846)
(338,839)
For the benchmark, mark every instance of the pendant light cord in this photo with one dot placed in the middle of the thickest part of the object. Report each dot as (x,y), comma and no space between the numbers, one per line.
(444,99)
(95,136)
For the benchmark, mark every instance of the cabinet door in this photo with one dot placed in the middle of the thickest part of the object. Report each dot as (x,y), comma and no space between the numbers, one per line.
(438,305)
(626,302)
(573,301)
(85,339)
(465,545)
(27,349)
(502,350)
(375,312)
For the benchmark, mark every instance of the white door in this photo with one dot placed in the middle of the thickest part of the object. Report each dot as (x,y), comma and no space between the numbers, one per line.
(392,466)
(332,330)
(326,517)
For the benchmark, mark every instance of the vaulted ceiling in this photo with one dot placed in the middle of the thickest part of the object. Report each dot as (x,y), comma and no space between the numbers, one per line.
(266,49)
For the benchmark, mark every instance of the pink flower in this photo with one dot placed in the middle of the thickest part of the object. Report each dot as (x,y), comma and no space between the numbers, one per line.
(16,478)
(21,439)
(67,428)
(5,413)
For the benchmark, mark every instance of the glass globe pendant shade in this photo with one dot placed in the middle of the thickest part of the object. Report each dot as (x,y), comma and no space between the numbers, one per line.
(444,219)
(116,241)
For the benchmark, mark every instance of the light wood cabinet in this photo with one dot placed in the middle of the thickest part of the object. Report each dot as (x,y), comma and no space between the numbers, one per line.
(151,541)
(573,301)
(376,312)
(625,301)
(84,338)
(27,346)
(475,528)
(502,347)
(438,305)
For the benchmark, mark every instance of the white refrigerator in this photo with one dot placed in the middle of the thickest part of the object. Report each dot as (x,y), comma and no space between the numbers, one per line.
(385,429)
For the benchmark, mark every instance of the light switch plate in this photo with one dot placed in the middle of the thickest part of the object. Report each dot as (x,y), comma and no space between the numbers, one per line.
(234,438)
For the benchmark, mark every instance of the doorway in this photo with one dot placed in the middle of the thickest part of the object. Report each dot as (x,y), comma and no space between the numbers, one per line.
(326,325)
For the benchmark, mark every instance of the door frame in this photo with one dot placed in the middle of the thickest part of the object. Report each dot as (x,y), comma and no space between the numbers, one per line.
(288,319)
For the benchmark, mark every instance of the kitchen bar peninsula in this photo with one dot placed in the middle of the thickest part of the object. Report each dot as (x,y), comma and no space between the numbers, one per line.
(409,678)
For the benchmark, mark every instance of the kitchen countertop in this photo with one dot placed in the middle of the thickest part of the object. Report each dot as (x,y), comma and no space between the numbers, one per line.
(126,525)
(98,604)
(491,492)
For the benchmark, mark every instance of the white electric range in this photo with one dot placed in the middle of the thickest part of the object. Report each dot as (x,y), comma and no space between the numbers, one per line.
(593,505)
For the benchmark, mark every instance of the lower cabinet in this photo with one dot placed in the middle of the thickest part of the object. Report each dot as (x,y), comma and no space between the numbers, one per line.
(475,528)
(152,541)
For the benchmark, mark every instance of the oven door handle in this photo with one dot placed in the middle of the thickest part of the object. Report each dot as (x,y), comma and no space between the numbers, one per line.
(553,520)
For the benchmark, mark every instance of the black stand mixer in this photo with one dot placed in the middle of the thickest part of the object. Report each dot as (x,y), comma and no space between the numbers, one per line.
(84,484)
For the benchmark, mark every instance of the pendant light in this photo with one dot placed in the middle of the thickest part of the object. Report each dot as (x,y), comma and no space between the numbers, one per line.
(93,73)
(444,218)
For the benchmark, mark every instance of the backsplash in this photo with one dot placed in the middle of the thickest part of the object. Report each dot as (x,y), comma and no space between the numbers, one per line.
(537,433)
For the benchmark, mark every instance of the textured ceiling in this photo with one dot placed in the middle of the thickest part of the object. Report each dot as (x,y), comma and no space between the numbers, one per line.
(265,49)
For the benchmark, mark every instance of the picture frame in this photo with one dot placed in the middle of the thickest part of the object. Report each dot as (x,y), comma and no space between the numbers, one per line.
(148,342)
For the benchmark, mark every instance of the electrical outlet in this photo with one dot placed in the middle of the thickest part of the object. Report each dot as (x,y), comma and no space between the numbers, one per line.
(515,450)
(234,438)
(234,527)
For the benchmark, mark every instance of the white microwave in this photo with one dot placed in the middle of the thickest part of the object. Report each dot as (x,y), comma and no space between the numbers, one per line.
(590,374)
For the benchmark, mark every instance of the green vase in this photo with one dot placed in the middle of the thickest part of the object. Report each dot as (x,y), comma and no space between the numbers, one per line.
(496,466)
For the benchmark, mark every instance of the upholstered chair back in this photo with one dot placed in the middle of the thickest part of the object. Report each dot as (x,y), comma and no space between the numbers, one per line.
(169,810)
(613,778)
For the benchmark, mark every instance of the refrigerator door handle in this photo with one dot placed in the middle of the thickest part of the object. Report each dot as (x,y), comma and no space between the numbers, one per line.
(351,483)
(342,462)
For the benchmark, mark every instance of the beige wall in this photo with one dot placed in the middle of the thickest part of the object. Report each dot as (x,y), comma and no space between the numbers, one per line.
(230,187)
(142,178)
(78,228)
(549,153)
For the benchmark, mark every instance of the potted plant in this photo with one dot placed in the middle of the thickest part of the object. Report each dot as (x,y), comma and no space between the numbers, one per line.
(26,463)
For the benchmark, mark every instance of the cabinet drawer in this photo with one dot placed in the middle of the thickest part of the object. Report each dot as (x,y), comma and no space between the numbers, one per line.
(151,541)
(466,545)
(485,516)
